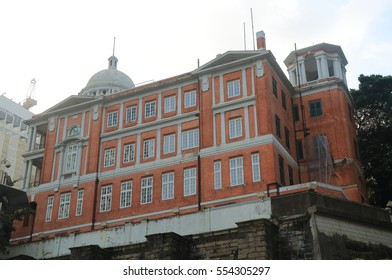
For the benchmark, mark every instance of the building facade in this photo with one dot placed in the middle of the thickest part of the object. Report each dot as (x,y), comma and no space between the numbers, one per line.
(13,139)
(224,134)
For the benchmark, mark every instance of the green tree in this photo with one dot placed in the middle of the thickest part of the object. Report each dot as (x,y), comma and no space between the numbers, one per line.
(373,116)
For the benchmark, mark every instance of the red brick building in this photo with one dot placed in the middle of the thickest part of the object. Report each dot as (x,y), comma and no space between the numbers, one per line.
(232,131)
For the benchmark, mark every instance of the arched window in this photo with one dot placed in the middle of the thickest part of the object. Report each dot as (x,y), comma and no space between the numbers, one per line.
(311,68)
(74,131)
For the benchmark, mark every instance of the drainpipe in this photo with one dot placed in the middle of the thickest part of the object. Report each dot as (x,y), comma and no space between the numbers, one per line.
(200,145)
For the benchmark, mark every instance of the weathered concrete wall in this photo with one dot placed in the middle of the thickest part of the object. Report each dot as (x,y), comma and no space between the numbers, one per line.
(302,226)
(256,239)
(312,226)
(208,220)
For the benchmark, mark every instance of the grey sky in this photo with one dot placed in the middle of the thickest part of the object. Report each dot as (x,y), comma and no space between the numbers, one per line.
(63,43)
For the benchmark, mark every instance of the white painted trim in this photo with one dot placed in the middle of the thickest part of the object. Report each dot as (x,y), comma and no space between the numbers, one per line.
(229,198)
(246,121)
(234,104)
(150,126)
(247,143)
(244,83)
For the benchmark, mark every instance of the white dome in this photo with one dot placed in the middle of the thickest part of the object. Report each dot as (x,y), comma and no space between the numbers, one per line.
(108,81)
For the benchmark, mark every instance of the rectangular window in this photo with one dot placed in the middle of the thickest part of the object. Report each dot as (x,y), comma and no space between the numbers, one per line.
(274,87)
(146,191)
(109,157)
(291,176)
(295,113)
(300,149)
(129,153)
(217,175)
(167,186)
(130,115)
(150,109)
(65,201)
(277,124)
(49,209)
(315,108)
(149,148)
(71,158)
(256,168)
(170,104)
(235,128)
(287,137)
(169,143)
(331,71)
(126,194)
(284,105)
(236,171)
(190,99)
(112,119)
(281,171)
(79,203)
(189,181)
(106,199)
(233,88)
(190,139)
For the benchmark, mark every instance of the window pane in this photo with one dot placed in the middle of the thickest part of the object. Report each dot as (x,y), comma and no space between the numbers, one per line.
(236,171)
(217,175)
(235,128)
(190,181)
(126,194)
(190,99)
(256,167)
(233,88)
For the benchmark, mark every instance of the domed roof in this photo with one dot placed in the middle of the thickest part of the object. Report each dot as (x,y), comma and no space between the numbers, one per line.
(108,81)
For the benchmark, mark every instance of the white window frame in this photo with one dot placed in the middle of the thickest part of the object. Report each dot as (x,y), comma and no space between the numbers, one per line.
(126,194)
(150,109)
(149,148)
(235,128)
(146,190)
(236,171)
(106,198)
(49,209)
(190,181)
(169,143)
(167,185)
(217,175)
(109,157)
(79,203)
(71,158)
(190,99)
(170,104)
(129,153)
(65,202)
(256,176)
(131,114)
(190,139)
(233,88)
(112,119)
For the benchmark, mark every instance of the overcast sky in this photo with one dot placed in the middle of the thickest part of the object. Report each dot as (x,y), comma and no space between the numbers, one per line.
(63,43)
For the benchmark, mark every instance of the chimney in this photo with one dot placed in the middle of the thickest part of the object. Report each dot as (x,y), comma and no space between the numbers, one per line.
(260,37)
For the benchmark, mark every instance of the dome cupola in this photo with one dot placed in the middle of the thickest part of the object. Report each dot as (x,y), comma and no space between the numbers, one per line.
(108,81)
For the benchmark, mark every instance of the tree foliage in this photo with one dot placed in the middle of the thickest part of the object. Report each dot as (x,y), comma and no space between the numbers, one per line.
(6,221)
(373,116)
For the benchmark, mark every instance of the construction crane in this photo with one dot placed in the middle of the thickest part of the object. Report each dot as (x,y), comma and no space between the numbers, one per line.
(30,101)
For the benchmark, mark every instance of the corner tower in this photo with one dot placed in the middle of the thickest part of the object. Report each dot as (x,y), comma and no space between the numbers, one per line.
(323,115)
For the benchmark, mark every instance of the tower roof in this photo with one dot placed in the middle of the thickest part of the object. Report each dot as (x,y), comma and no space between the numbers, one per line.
(322,46)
